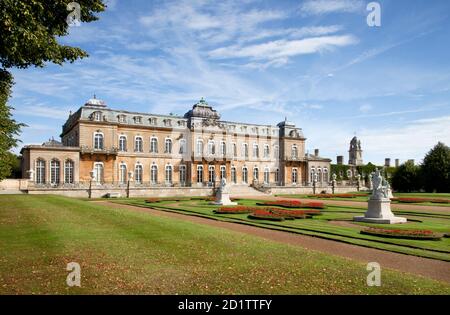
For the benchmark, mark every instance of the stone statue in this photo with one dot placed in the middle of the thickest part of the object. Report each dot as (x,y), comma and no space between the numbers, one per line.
(379,205)
(222,195)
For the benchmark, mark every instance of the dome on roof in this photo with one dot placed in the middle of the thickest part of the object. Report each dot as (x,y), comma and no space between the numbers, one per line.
(202,109)
(52,143)
(95,102)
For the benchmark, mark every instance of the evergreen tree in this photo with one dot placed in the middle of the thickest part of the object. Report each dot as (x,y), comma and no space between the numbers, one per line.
(406,178)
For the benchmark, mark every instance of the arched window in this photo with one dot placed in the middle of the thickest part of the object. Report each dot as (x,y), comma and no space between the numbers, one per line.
(294,176)
(98,172)
(266,175)
(233,175)
(168,146)
(154,174)
(138,171)
(122,174)
(199,174)
(245,150)
(255,150)
(294,151)
(98,141)
(69,166)
(349,174)
(277,176)
(169,170)
(245,175)
(182,146)
(319,175)
(40,171)
(211,147)
(223,148)
(122,143)
(312,172)
(54,171)
(182,175)
(138,145)
(255,174)
(199,149)
(266,151)
(223,172)
(211,174)
(325,175)
(154,145)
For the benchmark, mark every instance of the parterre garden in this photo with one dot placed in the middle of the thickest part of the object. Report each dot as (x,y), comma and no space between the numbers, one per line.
(124,251)
(425,234)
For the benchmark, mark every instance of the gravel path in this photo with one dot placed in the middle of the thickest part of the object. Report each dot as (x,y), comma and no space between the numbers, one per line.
(434,269)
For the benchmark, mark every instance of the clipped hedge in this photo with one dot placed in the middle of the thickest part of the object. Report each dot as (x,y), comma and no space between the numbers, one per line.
(420,200)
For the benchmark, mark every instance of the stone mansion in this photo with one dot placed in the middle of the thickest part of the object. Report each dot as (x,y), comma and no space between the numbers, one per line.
(104,146)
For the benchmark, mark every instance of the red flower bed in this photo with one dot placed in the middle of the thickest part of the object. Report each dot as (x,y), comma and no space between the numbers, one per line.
(235,210)
(420,200)
(294,204)
(296,214)
(408,234)
(324,196)
(266,214)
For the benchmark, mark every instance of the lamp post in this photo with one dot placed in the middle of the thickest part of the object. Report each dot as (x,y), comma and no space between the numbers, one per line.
(91,177)
(130,178)
(333,182)
(358,178)
(314,183)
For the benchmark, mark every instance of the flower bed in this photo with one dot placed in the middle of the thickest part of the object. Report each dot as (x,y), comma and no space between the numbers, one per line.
(295,214)
(153,200)
(420,200)
(407,234)
(293,204)
(266,214)
(235,210)
(325,196)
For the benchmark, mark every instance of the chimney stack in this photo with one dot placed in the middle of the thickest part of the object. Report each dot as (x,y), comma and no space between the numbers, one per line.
(316,152)
(340,159)
(397,162)
(387,162)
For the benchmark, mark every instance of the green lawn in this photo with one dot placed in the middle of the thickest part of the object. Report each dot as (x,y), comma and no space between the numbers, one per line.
(129,252)
(320,226)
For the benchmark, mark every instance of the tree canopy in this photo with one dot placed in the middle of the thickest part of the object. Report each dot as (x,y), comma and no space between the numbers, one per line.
(436,169)
(29,31)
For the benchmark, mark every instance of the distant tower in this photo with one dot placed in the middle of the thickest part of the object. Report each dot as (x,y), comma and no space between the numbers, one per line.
(355,152)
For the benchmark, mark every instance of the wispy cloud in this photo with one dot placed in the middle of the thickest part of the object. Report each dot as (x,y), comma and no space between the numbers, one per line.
(274,50)
(319,7)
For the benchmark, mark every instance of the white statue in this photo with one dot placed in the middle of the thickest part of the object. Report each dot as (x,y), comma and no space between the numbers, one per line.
(222,195)
(379,210)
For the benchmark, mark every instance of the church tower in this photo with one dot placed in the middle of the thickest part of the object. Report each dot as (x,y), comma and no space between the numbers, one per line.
(355,152)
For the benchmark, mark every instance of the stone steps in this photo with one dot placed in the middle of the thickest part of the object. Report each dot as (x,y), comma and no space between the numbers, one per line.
(244,190)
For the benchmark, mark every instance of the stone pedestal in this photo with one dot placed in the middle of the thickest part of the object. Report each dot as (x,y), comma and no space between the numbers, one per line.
(223,199)
(379,211)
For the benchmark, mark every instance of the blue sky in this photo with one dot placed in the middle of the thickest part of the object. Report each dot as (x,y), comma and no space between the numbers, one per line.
(316,62)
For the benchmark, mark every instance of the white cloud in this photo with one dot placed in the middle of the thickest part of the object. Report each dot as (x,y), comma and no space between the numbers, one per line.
(319,7)
(365,108)
(283,48)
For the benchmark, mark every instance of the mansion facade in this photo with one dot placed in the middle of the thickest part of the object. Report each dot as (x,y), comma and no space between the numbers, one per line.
(104,146)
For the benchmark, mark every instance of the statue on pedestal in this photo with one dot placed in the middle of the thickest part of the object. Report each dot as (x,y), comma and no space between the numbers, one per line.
(222,195)
(379,210)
